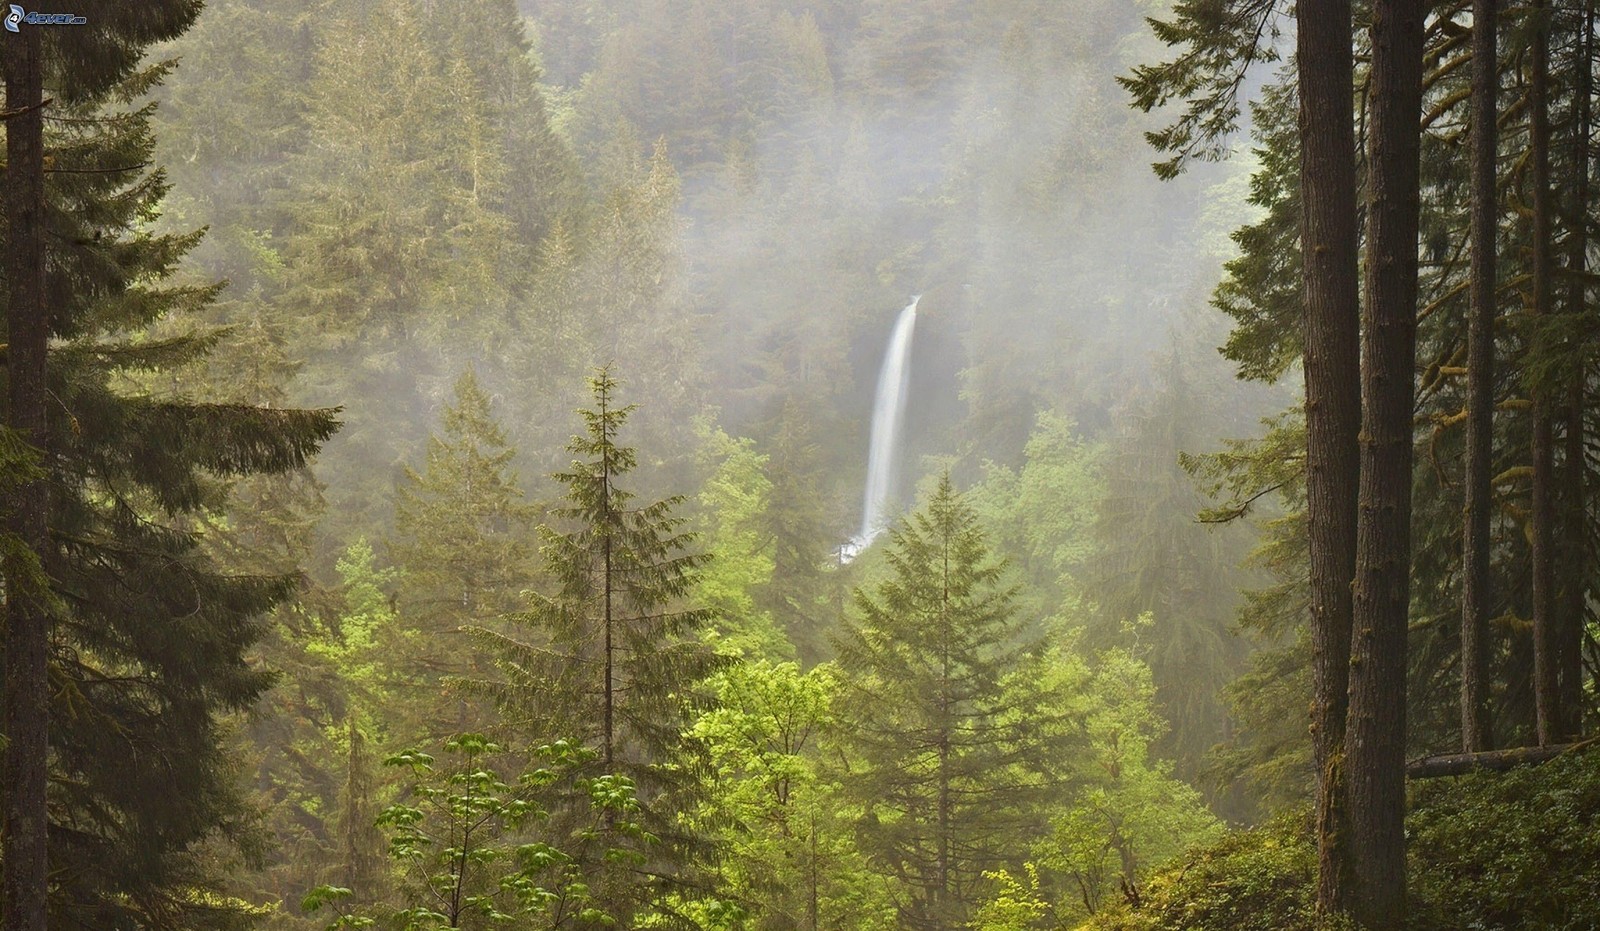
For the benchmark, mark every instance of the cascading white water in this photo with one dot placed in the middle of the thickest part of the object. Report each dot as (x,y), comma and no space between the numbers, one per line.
(888,414)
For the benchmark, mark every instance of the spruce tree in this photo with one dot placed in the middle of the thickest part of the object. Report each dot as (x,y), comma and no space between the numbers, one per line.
(1151,557)
(462,545)
(615,662)
(796,518)
(149,638)
(951,741)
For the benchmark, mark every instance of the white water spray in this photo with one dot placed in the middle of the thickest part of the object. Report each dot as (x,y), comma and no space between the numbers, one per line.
(888,415)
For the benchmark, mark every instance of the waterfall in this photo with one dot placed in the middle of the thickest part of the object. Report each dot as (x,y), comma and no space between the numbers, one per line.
(888,415)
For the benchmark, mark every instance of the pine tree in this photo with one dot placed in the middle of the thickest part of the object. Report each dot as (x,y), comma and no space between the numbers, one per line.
(615,660)
(951,742)
(462,545)
(150,638)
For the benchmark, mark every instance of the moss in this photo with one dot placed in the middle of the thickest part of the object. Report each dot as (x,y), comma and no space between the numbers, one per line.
(1514,851)
(1257,880)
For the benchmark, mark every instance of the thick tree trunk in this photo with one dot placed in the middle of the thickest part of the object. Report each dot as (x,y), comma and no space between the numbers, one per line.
(27,684)
(1375,741)
(1330,288)
(1575,523)
(1475,595)
(1546,694)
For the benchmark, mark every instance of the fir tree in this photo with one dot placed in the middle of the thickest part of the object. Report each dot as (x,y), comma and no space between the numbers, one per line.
(798,594)
(150,638)
(1153,558)
(952,743)
(462,547)
(616,660)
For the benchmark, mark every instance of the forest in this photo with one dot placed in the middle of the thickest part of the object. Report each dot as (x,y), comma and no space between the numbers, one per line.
(784,465)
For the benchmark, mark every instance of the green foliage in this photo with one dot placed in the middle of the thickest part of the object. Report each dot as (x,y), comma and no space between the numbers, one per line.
(953,739)
(1042,516)
(1257,880)
(734,502)
(786,829)
(1217,42)
(1131,814)
(458,843)
(617,658)
(1513,850)
(462,545)
(1016,905)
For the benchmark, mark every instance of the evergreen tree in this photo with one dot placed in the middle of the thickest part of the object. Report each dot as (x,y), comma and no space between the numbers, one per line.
(952,744)
(1376,742)
(462,548)
(1154,559)
(25,709)
(799,595)
(1476,522)
(616,661)
(150,638)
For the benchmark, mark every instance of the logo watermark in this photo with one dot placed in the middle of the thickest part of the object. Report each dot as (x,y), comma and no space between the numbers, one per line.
(18,16)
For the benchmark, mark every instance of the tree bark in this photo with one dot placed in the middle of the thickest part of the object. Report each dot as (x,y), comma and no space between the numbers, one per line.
(607,522)
(1498,761)
(25,888)
(1546,694)
(1330,290)
(1475,594)
(1575,524)
(1375,742)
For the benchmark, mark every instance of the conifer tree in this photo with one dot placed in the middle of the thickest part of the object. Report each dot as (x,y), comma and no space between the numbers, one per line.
(462,547)
(1153,558)
(615,659)
(798,594)
(952,743)
(1476,542)
(150,639)
(26,709)
(1381,595)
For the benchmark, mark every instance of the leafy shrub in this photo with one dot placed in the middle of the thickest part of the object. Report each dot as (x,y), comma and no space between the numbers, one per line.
(1509,851)
(1257,880)
(1513,851)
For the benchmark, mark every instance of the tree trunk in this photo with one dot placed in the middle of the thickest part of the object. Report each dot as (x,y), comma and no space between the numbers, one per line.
(1547,698)
(1375,742)
(607,521)
(1330,289)
(1575,526)
(1475,595)
(1498,761)
(23,895)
